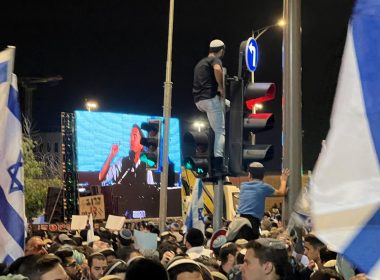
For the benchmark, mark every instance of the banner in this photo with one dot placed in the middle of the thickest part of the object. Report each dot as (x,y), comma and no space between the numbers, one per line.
(93,204)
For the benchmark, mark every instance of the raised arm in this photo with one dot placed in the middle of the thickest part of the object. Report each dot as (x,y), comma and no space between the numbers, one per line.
(283,179)
(103,172)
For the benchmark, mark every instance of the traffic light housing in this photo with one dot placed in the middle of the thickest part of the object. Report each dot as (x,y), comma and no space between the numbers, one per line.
(244,123)
(198,152)
(151,156)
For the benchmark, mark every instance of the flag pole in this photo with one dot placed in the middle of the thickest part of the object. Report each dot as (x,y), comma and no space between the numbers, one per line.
(12,50)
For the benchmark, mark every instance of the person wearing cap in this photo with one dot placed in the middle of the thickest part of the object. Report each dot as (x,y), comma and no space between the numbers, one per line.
(124,243)
(63,238)
(208,93)
(265,259)
(181,268)
(253,193)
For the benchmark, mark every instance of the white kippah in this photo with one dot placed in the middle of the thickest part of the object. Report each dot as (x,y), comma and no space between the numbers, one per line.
(256,165)
(216,44)
(181,261)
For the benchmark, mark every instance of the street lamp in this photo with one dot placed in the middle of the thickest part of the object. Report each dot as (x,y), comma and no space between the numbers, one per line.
(199,125)
(91,105)
(256,34)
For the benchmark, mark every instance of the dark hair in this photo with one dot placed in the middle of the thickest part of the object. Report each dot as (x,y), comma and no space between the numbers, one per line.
(240,258)
(195,237)
(313,241)
(130,252)
(326,254)
(185,267)
(211,263)
(205,271)
(116,266)
(139,129)
(257,172)
(278,256)
(167,246)
(227,250)
(22,264)
(216,49)
(64,253)
(146,269)
(3,268)
(98,256)
(34,266)
(326,274)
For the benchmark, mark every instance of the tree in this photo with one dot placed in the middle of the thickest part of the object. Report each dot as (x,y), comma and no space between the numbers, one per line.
(35,179)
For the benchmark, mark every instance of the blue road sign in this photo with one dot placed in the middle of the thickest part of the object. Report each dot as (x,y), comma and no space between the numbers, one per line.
(251,54)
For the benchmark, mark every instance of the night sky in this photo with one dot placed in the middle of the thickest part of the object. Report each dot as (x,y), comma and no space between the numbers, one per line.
(115,52)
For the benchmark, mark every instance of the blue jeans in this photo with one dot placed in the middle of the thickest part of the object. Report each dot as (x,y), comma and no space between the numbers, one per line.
(214,109)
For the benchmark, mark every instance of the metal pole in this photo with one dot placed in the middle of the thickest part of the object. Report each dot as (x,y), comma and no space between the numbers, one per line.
(167,113)
(217,221)
(218,205)
(292,125)
(12,50)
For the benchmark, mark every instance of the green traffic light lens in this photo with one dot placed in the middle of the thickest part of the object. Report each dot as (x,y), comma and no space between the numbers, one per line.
(188,165)
(148,161)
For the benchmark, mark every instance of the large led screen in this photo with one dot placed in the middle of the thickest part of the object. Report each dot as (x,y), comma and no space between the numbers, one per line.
(109,155)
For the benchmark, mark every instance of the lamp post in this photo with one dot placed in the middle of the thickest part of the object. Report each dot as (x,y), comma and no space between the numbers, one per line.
(91,105)
(256,34)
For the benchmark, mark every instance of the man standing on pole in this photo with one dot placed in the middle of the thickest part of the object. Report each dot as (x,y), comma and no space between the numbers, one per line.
(208,93)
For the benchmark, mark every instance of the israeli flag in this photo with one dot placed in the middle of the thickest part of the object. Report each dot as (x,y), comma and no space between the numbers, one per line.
(195,217)
(12,202)
(346,181)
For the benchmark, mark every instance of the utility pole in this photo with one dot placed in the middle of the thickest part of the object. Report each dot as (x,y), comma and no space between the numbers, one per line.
(167,114)
(292,125)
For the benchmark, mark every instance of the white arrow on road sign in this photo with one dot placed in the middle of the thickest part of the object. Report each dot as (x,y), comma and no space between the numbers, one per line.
(251,54)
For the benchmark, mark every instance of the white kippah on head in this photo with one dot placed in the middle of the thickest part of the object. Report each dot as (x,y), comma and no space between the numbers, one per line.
(216,44)
(256,165)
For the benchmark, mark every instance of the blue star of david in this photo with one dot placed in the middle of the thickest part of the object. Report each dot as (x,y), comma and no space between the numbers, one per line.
(16,185)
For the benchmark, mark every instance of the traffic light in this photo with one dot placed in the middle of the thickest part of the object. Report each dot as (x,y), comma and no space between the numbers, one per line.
(198,152)
(244,123)
(151,156)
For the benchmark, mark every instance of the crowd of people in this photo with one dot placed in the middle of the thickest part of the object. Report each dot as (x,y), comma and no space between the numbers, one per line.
(222,254)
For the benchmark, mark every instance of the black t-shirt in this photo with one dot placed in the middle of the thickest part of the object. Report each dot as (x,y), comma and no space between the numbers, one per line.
(205,85)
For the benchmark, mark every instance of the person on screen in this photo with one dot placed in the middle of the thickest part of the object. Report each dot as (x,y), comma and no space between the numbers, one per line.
(130,170)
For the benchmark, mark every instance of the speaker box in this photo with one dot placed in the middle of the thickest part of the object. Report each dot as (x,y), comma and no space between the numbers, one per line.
(54,198)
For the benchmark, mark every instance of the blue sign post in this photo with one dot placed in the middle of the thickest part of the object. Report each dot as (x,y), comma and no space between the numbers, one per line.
(251,54)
